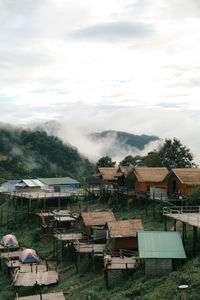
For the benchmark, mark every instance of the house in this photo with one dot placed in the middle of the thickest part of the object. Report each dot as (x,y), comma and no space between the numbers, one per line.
(9,186)
(162,250)
(122,174)
(123,234)
(142,178)
(30,185)
(93,223)
(62,184)
(107,176)
(182,180)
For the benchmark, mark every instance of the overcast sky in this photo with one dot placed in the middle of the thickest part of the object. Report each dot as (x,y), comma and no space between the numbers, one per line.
(129,65)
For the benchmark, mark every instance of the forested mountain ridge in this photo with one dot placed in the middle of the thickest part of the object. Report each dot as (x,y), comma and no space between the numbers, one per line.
(29,154)
(124,138)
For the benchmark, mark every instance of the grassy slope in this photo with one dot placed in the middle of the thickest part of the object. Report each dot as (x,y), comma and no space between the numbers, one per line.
(134,285)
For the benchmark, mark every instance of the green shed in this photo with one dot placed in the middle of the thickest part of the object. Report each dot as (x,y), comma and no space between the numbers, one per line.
(161,250)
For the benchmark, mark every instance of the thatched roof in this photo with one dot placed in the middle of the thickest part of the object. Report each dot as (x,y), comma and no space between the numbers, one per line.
(188,176)
(124,228)
(108,173)
(97,218)
(145,174)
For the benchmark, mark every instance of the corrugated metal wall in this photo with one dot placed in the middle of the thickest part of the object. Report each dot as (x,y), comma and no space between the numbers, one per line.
(158,266)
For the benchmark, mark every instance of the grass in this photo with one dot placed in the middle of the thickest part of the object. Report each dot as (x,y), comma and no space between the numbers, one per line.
(131,285)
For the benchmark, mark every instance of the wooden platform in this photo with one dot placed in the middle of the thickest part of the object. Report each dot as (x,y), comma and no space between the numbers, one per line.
(90,248)
(120,263)
(44,214)
(29,279)
(189,215)
(26,268)
(44,195)
(52,296)
(11,254)
(68,236)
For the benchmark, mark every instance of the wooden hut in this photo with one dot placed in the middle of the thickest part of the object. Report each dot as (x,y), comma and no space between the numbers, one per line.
(122,174)
(182,181)
(161,250)
(123,234)
(141,178)
(93,223)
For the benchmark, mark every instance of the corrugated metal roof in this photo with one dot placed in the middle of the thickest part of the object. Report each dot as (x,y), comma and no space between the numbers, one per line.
(57,180)
(33,182)
(160,244)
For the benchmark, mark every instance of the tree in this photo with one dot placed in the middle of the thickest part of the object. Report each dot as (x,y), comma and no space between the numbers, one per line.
(175,155)
(128,161)
(104,162)
(194,198)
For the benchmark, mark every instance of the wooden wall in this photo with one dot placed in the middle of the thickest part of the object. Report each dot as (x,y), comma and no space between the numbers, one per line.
(125,243)
(180,187)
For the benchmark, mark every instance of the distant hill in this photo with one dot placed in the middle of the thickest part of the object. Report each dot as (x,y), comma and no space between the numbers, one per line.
(26,154)
(124,139)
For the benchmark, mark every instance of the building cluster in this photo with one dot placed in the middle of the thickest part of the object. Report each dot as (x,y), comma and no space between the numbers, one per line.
(60,185)
(157,181)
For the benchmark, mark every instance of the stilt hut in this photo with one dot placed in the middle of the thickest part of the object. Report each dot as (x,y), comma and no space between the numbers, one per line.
(182,181)
(142,178)
(123,234)
(93,223)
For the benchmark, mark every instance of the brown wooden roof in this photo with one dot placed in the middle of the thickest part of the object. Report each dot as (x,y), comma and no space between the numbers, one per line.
(124,228)
(145,174)
(188,176)
(124,170)
(97,218)
(108,173)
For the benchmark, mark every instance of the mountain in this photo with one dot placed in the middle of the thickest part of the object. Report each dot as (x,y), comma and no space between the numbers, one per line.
(29,154)
(124,139)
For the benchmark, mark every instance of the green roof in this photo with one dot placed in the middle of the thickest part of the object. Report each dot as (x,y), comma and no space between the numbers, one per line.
(57,180)
(160,244)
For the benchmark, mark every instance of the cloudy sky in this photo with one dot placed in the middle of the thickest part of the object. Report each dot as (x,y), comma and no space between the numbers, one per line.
(129,65)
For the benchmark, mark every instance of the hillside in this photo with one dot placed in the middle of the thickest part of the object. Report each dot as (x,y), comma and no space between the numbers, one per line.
(125,139)
(26,153)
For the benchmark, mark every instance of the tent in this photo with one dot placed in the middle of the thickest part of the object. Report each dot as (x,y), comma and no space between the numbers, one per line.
(28,256)
(9,240)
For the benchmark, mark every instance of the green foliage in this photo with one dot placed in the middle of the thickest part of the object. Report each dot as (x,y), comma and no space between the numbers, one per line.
(194,198)
(26,154)
(128,161)
(175,155)
(104,162)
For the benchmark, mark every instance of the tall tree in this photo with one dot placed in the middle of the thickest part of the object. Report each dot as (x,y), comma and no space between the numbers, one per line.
(129,160)
(104,162)
(175,155)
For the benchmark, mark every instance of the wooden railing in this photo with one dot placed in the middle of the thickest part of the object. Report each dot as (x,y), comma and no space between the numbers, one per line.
(181,210)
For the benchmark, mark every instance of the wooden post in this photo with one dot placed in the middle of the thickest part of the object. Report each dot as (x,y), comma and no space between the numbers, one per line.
(59,203)
(183,233)
(29,206)
(21,205)
(165,223)
(146,207)
(93,265)
(174,224)
(194,239)
(106,278)
(1,214)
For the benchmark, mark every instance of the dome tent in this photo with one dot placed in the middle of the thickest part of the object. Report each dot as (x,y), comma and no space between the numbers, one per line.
(28,256)
(9,240)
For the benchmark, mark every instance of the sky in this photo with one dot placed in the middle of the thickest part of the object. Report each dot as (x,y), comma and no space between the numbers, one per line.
(130,65)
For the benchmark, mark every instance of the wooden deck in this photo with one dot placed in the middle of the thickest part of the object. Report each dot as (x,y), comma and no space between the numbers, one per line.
(44,214)
(97,249)
(2,248)
(52,296)
(41,195)
(189,215)
(120,263)
(68,236)
(31,278)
